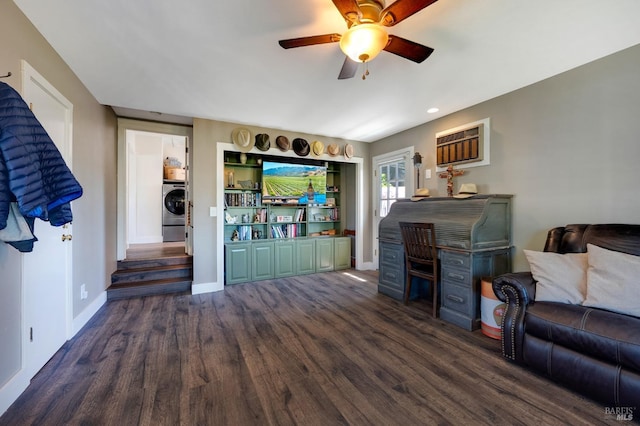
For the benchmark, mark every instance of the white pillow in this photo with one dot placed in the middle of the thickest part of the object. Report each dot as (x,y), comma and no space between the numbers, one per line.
(613,281)
(561,277)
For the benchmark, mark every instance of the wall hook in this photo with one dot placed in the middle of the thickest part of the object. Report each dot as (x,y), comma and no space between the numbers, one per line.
(5,76)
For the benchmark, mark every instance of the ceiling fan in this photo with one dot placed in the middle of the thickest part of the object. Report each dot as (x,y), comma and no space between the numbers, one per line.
(366,35)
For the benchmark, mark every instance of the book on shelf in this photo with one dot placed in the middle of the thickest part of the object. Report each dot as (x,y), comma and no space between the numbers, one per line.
(262,215)
(242,199)
(245,232)
(284,231)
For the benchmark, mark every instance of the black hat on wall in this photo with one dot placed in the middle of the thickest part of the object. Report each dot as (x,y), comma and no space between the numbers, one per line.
(301,147)
(262,142)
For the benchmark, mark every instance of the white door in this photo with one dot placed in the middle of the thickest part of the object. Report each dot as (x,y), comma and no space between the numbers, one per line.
(391,182)
(46,271)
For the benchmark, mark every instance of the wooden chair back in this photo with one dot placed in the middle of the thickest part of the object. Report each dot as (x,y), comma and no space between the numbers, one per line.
(421,257)
(419,242)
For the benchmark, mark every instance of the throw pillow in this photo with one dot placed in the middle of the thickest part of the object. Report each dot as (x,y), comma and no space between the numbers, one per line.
(613,281)
(560,277)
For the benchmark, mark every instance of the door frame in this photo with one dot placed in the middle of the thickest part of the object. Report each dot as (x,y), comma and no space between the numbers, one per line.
(376,162)
(125,124)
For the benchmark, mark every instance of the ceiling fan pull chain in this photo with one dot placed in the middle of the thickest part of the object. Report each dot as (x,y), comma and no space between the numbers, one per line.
(365,70)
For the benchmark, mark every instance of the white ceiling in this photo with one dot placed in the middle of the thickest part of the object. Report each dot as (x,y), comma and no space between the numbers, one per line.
(221,59)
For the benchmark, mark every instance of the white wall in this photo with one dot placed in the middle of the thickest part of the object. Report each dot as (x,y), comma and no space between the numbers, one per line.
(144,187)
(174,146)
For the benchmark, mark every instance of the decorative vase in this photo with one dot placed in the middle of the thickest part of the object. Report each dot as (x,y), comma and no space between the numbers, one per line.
(243,158)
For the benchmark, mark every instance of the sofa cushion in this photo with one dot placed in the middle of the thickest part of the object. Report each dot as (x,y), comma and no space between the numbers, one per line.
(613,281)
(560,277)
(608,336)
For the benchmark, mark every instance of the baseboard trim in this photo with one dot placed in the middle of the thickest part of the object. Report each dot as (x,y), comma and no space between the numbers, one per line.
(13,389)
(368,266)
(88,313)
(202,288)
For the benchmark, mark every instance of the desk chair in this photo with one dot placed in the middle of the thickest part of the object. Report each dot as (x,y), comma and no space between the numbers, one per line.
(421,257)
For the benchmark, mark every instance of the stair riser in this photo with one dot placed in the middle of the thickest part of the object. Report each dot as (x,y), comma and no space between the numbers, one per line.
(125,265)
(132,276)
(149,290)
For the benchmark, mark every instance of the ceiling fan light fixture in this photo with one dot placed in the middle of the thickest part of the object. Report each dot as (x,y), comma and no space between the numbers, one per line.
(364,42)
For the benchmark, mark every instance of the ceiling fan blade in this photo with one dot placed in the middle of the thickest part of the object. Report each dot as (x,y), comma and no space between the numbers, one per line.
(349,10)
(310,41)
(400,10)
(408,49)
(348,70)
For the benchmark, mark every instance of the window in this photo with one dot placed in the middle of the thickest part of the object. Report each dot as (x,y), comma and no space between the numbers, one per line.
(391,181)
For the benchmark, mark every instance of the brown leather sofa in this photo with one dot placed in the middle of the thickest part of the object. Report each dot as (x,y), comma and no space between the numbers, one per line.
(593,351)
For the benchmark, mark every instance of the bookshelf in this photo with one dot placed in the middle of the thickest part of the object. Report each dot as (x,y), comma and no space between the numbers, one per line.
(291,238)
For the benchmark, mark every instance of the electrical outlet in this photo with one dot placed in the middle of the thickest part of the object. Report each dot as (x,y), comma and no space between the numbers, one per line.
(83,292)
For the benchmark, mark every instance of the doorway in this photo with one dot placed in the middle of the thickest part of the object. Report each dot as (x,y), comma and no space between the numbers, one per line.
(392,180)
(150,154)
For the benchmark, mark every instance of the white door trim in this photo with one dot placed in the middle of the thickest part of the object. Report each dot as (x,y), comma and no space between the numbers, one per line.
(376,162)
(125,124)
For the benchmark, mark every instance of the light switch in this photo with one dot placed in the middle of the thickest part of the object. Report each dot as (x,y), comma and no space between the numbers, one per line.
(427,173)
(213,212)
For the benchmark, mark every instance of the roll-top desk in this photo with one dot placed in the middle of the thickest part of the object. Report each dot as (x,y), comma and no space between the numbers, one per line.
(473,236)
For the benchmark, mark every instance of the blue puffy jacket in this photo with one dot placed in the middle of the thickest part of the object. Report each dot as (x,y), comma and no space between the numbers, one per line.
(32,170)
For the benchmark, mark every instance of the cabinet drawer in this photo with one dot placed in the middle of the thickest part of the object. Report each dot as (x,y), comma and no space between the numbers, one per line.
(457,276)
(455,260)
(391,254)
(458,298)
(392,277)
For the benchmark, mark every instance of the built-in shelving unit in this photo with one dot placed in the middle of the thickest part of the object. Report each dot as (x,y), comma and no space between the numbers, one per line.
(266,238)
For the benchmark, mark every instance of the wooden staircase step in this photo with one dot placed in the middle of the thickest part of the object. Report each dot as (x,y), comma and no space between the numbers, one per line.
(148,288)
(154,262)
(151,274)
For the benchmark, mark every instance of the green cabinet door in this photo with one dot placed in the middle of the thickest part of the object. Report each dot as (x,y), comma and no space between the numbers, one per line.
(237,263)
(305,256)
(342,247)
(285,258)
(324,254)
(262,261)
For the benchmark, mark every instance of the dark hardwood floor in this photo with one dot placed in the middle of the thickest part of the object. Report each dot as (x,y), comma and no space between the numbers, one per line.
(322,349)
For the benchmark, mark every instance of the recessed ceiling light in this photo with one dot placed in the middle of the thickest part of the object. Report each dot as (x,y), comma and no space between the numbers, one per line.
(433,110)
